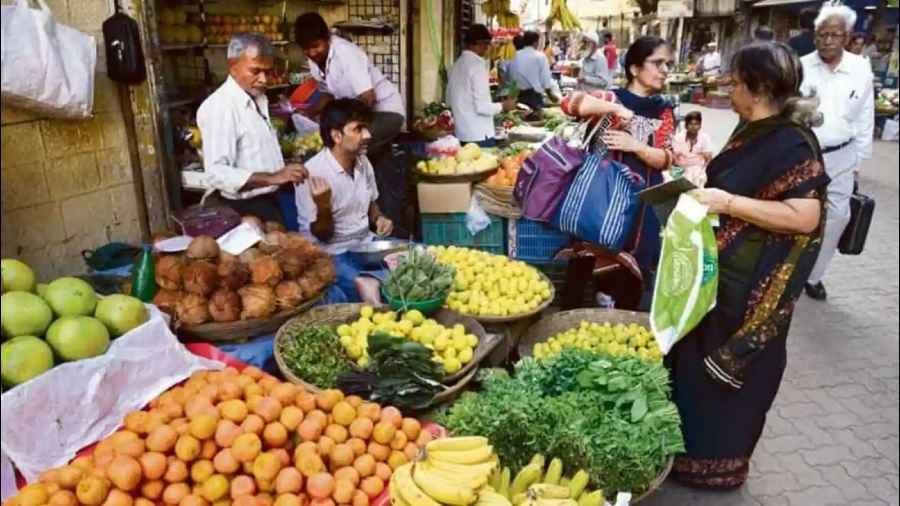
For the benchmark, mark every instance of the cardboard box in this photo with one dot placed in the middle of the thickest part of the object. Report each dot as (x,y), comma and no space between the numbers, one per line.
(435,198)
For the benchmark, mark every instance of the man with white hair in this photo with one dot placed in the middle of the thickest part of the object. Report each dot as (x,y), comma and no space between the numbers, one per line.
(241,154)
(843,83)
(711,61)
(595,74)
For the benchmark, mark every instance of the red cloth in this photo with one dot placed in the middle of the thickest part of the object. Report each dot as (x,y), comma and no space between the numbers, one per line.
(612,56)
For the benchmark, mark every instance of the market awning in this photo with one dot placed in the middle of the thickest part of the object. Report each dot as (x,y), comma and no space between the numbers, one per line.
(773,3)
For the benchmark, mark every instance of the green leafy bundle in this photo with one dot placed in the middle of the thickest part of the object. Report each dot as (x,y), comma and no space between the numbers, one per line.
(401,373)
(419,277)
(315,355)
(607,415)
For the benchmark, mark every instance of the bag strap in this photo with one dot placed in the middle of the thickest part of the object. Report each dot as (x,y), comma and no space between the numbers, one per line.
(601,125)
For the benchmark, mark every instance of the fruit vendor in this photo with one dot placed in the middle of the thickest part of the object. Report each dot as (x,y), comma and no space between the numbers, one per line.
(343,70)
(469,91)
(241,154)
(337,206)
(531,72)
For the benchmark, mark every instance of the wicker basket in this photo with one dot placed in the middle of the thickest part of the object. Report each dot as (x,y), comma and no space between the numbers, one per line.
(514,318)
(339,314)
(558,323)
(497,200)
(657,482)
(241,330)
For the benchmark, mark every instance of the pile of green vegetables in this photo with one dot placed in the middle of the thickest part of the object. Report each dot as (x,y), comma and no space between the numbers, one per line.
(401,373)
(315,355)
(610,416)
(419,277)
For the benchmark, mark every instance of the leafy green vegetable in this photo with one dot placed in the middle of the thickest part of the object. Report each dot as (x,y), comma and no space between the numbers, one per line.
(400,373)
(419,277)
(608,415)
(315,355)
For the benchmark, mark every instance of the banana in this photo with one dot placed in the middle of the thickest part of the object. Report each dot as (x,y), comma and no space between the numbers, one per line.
(505,477)
(476,456)
(592,499)
(494,480)
(547,491)
(554,472)
(556,502)
(471,480)
(578,484)
(528,476)
(485,468)
(520,499)
(487,498)
(408,489)
(442,490)
(455,444)
(564,481)
(394,490)
(539,460)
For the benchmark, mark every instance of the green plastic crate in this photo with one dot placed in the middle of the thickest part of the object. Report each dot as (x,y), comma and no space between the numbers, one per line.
(450,230)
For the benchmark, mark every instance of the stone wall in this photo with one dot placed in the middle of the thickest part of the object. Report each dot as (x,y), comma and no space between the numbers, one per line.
(67,185)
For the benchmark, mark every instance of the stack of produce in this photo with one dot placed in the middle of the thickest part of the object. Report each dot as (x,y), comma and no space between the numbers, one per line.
(315,354)
(469,160)
(502,10)
(240,438)
(510,165)
(621,340)
(437,120)
(452,348)
(206,284)
(220,27)
(535,486)
(492,285)
(299,146)
(610,416)
(179,27)
(418,278)
(58,322)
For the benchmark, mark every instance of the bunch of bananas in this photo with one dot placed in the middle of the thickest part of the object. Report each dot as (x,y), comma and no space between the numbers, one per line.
(507,19)
(501,10)
(559,11)
(455,472)
(536,486)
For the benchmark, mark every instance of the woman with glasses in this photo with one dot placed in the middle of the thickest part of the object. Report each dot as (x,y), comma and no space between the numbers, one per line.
(643,137)
(768,187)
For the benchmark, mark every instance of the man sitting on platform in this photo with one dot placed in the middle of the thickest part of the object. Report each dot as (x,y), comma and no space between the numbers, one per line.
(337,205)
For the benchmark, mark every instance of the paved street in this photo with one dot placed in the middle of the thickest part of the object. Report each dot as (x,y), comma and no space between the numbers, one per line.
(832,437)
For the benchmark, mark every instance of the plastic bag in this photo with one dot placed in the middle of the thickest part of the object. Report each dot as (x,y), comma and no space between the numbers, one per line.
(46,67)
(303,125)
(476,219)
(687,279)
(891,130)
(447,145)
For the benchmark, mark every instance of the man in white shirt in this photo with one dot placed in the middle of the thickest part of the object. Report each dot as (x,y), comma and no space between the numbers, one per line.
(469,91)
(343,70)
(531,72)
(337,207)
(241,154)
(711,61)
(595,74)
(843,83)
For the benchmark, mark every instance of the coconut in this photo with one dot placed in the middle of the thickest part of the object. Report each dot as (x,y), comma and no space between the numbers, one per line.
(274,226)
(233,274)
(192,309)
(293,262)
(203,247)
(200,277)
(288,295)
(167,300)
(249,256)
(272,242)
(324,269)
(225,306)
(258,301)
(266,271)
(169,272)
(310,285)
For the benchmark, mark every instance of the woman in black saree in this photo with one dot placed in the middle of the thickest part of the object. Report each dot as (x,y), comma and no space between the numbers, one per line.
(767,184)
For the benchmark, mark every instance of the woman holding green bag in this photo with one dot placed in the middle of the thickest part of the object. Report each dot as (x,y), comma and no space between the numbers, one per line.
(768,186)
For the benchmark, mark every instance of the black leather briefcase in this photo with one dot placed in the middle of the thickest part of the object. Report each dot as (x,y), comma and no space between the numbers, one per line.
(853,239)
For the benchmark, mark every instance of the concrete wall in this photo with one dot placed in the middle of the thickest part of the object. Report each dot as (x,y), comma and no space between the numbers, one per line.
(67,185)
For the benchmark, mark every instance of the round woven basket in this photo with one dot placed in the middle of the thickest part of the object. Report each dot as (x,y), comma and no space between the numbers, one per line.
(339,314)
(558,323)
(657,482)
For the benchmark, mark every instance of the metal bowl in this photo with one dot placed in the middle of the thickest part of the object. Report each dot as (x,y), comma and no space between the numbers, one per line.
(372,254)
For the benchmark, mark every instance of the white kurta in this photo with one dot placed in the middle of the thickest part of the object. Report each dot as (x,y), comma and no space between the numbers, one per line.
(469,97)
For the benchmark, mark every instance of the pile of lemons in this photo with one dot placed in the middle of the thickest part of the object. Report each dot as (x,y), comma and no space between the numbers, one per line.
(492,285)
(621,340)
(453,347)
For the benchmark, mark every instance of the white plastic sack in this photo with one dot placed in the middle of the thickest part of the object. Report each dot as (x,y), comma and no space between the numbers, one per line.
(47,420)
(476,219)
(304,125)
(47,67)
(891,130)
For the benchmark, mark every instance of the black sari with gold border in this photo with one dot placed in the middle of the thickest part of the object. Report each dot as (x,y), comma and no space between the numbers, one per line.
(727,372)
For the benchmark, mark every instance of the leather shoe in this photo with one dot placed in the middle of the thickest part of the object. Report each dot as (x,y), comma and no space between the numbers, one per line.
(816,291)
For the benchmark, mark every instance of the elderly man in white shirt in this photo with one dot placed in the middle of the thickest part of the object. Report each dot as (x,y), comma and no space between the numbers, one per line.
(595,73)
(531,72)
(241,154)
(711,61)
(343,70)
(469,91)
(337,207)
(843,82)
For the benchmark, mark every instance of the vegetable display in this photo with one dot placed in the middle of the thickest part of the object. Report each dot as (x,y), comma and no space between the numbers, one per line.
(315,354)
(419,277)
(436,116)
(621,340)
(510,165)
(470,159)
(608,415)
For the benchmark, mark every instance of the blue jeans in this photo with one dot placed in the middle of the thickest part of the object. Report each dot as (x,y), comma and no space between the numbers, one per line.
(487,143)
(348,269)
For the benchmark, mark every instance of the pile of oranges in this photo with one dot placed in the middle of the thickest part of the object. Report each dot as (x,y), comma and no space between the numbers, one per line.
(230,438)
(509,169)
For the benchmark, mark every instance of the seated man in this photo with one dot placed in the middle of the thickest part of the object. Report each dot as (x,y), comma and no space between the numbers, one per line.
(337,205)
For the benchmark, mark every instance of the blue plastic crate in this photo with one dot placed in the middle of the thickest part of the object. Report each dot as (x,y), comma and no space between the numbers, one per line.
(533,241)
(450,230)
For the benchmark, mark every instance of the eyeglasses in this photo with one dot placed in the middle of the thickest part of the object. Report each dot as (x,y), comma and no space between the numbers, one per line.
(826,36)
(662,64)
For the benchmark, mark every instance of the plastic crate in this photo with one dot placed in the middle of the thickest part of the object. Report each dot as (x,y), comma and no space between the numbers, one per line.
(450,230)
(533,241)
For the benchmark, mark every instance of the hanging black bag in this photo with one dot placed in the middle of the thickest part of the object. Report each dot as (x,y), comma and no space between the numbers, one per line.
(853,240)
(124,54)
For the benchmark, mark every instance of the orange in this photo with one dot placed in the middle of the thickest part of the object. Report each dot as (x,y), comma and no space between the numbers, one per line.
(125,472)
(246,447)
(344,413)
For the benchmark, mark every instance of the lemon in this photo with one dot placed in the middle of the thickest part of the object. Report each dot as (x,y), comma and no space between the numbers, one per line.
(346,341)
(363,362)
(405,327)
(440,343)
(344,330)
(465,355)
(459,330)
(414,316)
(452,365)
(367,312)
(472,340)
(450,352)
